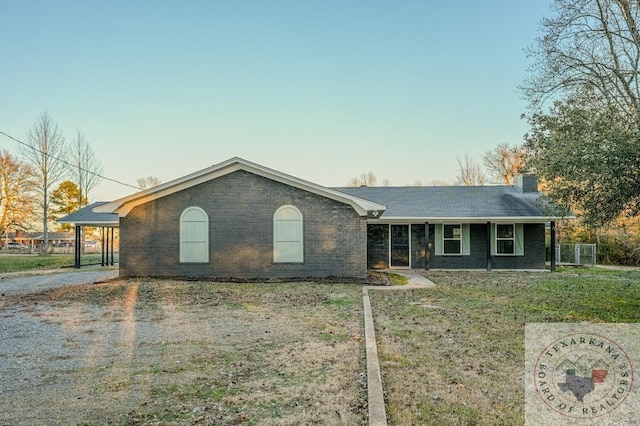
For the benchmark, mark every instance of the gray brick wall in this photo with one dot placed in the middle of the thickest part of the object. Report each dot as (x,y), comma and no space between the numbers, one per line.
(240,206)
(378,246)
(534,249)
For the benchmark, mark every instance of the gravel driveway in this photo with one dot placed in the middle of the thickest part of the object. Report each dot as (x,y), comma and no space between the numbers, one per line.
(28,283)
(151,352)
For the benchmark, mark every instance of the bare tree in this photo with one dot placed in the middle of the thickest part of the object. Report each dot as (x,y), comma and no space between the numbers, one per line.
(45,151)
(85,168)
(365,179)
(148,182)
(438,182)
(588,44)
(470,172)
(16,192)
(504,162)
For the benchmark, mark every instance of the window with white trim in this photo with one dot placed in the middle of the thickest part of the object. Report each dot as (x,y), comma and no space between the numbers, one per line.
(287,235)
(505,239)
(194,236)
(452,239)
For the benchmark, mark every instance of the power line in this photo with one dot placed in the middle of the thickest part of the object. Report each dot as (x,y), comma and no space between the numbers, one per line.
(67,163)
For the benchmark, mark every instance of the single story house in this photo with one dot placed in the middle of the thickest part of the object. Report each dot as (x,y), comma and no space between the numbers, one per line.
(241,219)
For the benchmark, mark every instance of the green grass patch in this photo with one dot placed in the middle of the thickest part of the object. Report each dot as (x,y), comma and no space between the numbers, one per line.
(453,354)
(397,279)
(26,262)
(340,300)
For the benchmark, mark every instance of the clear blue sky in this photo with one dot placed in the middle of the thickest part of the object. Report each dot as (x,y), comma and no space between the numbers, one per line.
(322,90)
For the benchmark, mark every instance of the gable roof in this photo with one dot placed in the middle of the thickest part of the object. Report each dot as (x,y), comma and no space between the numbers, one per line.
(124,205)
(86,216)
(468,203)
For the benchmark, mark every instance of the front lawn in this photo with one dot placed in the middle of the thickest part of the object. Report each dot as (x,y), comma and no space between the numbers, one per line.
(161,352)
(454,354)
(25,262)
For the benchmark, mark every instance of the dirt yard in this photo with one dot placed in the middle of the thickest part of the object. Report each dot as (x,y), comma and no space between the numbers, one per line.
(163,352)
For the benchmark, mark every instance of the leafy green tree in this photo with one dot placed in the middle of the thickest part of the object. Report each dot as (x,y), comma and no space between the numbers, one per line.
(65,200)
(586,147)
(587,154)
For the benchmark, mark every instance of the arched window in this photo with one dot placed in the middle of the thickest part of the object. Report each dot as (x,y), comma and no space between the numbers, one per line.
(287,235)
(194,236)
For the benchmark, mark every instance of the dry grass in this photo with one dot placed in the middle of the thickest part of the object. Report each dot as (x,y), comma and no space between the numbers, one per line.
(454,354)
(160,352)
(166,352)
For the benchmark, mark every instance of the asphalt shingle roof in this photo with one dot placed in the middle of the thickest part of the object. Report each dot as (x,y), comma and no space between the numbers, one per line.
(86,216)
(453,201)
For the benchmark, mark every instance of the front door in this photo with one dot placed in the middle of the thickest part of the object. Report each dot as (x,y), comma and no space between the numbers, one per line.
(399,246)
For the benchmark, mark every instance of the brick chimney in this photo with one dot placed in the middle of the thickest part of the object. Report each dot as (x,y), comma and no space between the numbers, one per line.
(527,183)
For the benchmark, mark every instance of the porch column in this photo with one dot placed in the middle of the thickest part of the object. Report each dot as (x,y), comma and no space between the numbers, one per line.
(76,250)
(488,246)
(427,252)
(553,245)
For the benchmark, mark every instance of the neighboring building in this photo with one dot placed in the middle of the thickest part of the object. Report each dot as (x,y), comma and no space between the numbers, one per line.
(33,240)
(238,219)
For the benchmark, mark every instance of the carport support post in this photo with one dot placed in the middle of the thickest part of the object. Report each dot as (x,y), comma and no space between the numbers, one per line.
(107,248)
(552,232)
(102,244)
(488,246)
(112,246)
(427,253)
(77,248)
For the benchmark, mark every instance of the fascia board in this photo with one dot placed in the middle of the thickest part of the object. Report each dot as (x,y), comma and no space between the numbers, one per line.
(91,222)
(501,219)
(124,205)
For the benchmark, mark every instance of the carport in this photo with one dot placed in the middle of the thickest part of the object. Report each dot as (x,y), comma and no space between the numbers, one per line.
(106,222)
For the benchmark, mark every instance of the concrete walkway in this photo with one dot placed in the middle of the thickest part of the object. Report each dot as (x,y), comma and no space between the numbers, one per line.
(416,280)
(375,391)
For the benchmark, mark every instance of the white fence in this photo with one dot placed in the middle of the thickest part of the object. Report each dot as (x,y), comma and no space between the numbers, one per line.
(576,254)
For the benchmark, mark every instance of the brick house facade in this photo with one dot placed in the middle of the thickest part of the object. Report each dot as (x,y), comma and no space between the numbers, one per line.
(241,207)
(238,219)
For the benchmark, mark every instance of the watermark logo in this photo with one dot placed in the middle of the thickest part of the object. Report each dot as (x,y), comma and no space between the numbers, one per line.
(580,371)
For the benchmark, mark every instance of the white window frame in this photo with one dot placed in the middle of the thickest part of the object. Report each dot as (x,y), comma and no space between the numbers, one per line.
(204,237)
(512,239)
(277,258)
(459,239)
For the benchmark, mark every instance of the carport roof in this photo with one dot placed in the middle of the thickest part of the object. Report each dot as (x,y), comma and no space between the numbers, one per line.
(87,217)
